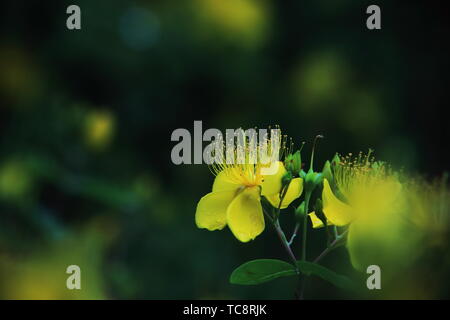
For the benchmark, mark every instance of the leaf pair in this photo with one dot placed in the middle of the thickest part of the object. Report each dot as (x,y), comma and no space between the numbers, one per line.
(264,270)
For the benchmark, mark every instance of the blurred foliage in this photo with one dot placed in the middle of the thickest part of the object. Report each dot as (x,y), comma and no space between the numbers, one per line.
(86,118)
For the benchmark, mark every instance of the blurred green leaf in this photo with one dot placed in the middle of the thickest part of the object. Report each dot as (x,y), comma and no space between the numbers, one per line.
(310,268)
(260,271)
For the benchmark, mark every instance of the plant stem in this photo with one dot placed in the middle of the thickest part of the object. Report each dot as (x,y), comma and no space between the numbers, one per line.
(330,248)
(336,234)
(294,234)
(282,236)
(320,256)
(305,230)
(283,194)
(268,216)
(288,249)
(276,223)
(305,226)
(280,232)
(283,240)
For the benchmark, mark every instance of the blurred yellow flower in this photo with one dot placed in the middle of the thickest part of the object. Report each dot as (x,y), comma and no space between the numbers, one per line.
(373,205)
(236,194)
(429,208)
(241,21)
(99,129)
(15,180)
(42,275)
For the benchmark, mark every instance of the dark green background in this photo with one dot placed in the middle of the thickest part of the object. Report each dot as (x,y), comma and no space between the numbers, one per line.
(122,210)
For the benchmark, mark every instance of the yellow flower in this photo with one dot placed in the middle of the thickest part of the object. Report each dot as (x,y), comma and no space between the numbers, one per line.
(337,212)
(429,213)
(369,189)
(245,22)
(235,199)
(373,201)
(99,129)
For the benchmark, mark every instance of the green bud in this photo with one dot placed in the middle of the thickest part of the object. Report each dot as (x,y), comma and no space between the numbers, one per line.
(309,180)
(319,179)
(336,160)
(293,163)
(312,180)
(326,172)
(302,174)
(300,212)
(289,162)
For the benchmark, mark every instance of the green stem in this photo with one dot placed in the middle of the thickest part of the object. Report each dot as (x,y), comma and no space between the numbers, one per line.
(305,225)
(336,234)
(280,232)
(294,234)
(288,249)
(286,246)
(305,230)
(283,194)
(330,248)
(282,236)
(319,257)
(268,216)
(276,223)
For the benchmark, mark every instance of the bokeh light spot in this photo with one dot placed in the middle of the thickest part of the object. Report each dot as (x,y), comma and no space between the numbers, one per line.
(139,28)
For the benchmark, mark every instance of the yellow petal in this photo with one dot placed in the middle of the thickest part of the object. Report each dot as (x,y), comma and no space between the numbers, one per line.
(352,247)
(294,191)
(384,242)
(272,183)
(211,211)
(336,211)
(222,182)
(381,197)
(245,216)
(316,222)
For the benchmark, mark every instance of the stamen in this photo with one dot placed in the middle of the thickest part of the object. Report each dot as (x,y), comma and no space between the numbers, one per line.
(361,172)
(248,156)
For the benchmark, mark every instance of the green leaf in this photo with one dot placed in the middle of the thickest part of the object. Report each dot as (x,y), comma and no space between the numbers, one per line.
(260,271)
(310,268)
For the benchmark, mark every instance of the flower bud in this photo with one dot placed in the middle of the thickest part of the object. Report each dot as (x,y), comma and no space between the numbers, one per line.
(309,181)
(312,180)
(293,163)
(326,172)
(336,160)
(302,174)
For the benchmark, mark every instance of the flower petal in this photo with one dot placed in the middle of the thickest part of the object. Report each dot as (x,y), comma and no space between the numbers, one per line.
(294,191)
(384,241)
(245,216)
(336,211)
(222,182)
(211,211)
(272,183)
(316,222)
(352,247)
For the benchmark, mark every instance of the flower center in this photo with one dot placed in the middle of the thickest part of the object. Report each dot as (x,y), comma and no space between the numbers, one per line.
(243,160)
